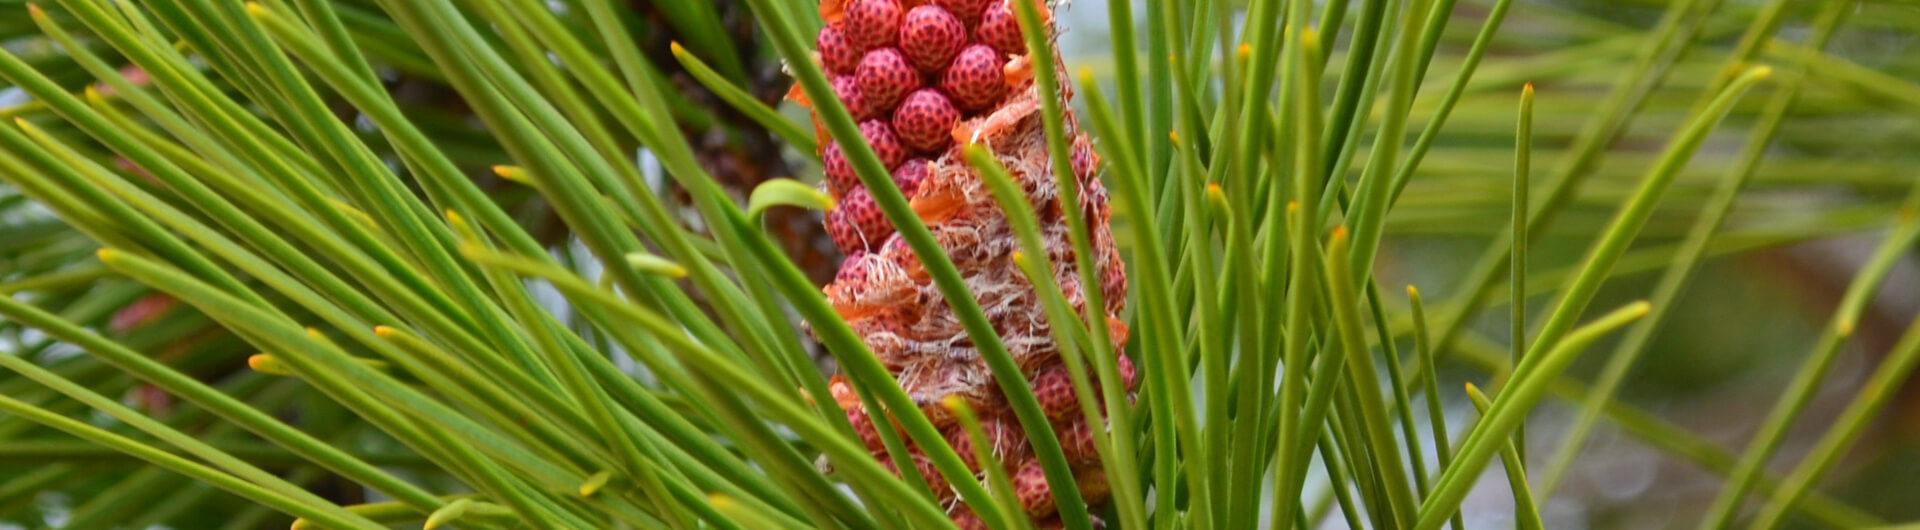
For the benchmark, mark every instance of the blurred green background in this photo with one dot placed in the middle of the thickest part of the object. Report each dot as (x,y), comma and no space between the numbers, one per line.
(1845,156)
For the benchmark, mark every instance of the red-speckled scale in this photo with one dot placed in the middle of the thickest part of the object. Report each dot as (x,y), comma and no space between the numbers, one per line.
(968,11)
(856,222)
(930,36)
(909,175)
(885,142)
(840,176)
(837,53)
(977,79)
(998,28)
(925,120)
(873,23)
(885,76)
(847,88)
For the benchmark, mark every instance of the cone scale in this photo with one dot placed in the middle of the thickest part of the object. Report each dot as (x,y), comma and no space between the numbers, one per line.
(931,78)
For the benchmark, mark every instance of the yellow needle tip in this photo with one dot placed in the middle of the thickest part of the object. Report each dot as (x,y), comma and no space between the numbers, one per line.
(512,173)
(266,363)
(471,249)
(595,483)
(953,402)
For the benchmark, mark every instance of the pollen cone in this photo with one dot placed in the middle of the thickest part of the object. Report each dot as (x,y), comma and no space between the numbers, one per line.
(925,78)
